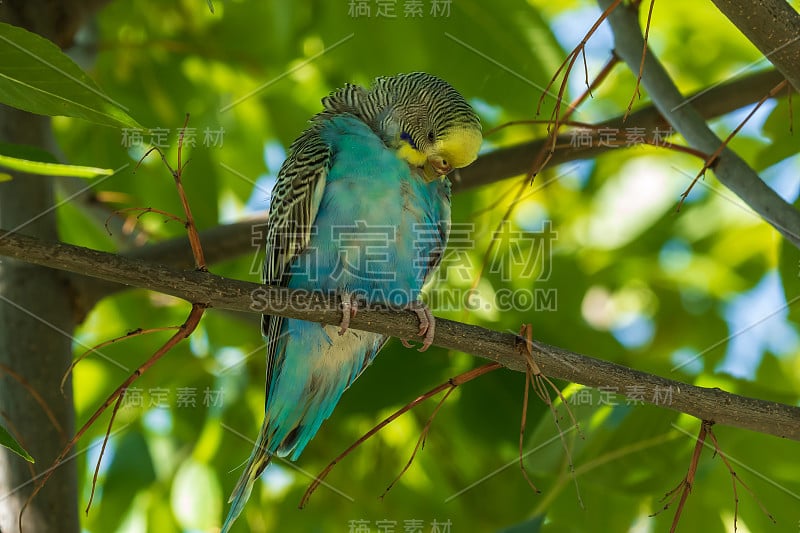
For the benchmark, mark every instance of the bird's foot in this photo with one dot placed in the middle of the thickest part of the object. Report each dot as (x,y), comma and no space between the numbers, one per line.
(349,310)
(427,325)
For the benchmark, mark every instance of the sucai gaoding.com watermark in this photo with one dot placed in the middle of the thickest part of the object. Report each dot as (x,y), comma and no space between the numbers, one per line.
(364,257)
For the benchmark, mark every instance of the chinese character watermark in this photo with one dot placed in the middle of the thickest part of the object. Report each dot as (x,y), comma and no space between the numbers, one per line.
(162,398)
(619,137)
(627,395)
(161,138)
(392,9)
(412,525)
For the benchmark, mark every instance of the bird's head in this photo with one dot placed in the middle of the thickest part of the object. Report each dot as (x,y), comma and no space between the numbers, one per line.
(428,123)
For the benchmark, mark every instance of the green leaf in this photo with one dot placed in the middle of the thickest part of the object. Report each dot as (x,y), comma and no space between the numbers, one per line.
(36,76)
(52,169)
(10,442)
(36,161)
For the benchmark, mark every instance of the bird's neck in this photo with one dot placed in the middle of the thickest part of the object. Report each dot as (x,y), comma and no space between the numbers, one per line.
(375,108)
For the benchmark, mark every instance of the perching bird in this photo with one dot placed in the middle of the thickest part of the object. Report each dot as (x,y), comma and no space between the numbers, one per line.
(360,210)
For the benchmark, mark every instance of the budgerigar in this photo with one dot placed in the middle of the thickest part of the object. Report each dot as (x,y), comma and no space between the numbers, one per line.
(361,210)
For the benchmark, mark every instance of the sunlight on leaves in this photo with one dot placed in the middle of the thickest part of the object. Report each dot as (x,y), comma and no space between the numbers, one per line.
(36,76)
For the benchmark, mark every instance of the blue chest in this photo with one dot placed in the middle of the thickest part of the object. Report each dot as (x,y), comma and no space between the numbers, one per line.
(379,226)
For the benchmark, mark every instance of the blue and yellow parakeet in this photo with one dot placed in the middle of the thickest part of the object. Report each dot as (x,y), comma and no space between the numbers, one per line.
(361,209)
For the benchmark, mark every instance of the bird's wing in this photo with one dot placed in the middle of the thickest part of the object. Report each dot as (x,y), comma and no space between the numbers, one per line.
(295,202)
(439,231)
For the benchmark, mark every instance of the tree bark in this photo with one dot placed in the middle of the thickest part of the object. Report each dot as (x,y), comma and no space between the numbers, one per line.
(773,26)
(36,310)
(36,325)
(200,287)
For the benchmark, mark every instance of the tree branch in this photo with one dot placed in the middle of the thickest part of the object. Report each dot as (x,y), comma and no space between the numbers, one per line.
(710,102)
(220,243)
(730,169)
(773,26)
(232,240)
(202,287)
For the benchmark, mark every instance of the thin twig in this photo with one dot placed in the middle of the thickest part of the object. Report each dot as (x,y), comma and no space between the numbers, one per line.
(129,335)
(37,398)
(191,228)
(449,384)
(103,451)
(734,479)
(186,329)
(142,211)
(712,159)
(544,154)
(684,488)
(420,441)
(636,91)
(539,382)
(523,423)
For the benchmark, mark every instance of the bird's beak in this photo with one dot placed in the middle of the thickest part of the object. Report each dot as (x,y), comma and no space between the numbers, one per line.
(434,168)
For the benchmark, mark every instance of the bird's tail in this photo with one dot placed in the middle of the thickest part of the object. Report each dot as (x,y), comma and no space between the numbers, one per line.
(256,464)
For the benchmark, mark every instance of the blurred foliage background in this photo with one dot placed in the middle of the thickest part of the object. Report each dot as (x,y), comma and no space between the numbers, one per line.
(704,296)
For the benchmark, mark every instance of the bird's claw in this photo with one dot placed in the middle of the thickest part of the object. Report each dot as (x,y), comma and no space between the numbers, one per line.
(427,325)
(349,310)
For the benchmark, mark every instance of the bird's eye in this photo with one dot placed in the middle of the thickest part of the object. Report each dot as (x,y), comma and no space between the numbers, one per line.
(431,136)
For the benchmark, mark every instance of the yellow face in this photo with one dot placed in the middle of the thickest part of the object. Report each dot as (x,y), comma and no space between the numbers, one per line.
(455,149)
